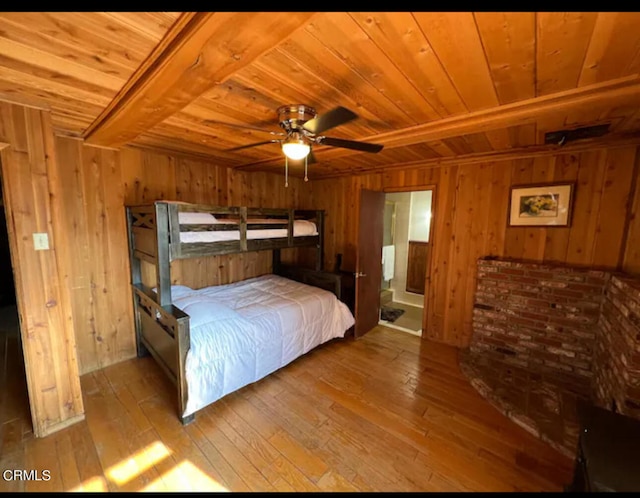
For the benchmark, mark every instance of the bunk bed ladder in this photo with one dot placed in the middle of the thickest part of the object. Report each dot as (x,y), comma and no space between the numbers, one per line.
(243,228)
(136,279)
(320,246)
(292,216)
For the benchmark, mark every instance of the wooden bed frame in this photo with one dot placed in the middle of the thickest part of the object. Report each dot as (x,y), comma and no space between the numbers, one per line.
(162,329)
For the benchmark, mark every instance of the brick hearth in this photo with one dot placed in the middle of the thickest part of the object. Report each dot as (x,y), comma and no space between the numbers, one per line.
(546,335)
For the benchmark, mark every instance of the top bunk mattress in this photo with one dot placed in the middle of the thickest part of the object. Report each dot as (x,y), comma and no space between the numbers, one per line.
(301,228)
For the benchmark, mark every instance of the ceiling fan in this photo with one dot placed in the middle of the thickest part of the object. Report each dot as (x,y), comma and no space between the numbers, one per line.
(303,128)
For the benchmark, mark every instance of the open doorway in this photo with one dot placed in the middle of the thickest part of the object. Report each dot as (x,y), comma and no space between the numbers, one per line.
(15,418)
(405,259)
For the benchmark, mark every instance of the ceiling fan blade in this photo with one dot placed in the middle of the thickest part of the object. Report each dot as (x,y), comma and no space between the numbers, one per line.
(252,145)
(241,127)
(349,144)
(335,117)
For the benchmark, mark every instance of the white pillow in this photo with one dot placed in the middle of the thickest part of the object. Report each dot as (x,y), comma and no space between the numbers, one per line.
(177,291)
(180,290)
(205,310)
(196,218)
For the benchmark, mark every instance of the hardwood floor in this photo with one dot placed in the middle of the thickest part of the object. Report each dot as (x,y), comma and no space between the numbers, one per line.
(15,418)
(387,412)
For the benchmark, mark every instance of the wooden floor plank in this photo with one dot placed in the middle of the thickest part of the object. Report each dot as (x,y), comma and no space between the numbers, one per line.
(292,475)
(68,465)
(286,419)
(283,486)
(41,455)
(249,435)
(86,456)
(130,403)
(263,421)
(331,481)
(154,457)
(225,472)
(11,461)
(368,478)
(310,465)
(238,461)
(257,451)
(375,458)
(386,412)
(408,431)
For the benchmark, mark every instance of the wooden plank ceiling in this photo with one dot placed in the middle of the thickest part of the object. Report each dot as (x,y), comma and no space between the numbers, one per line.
(430,86)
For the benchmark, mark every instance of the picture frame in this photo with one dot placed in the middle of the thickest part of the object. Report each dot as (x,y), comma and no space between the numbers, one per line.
(541,205)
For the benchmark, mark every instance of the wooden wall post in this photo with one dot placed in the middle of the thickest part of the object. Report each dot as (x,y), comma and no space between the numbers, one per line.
(32,191)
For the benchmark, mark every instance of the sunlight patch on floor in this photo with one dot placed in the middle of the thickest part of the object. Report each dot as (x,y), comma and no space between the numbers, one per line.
(92,485)
(184,476)
(138,463)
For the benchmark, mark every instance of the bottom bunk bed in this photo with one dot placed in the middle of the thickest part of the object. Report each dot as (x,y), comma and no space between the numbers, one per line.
(216,340)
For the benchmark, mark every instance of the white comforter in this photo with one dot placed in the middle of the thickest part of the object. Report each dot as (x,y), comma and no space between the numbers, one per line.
(243,331)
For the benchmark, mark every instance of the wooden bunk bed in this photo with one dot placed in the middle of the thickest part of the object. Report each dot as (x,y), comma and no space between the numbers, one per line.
(168,230)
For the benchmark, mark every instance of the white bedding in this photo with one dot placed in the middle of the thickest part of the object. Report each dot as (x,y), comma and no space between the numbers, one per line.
(243,331)
(300,228)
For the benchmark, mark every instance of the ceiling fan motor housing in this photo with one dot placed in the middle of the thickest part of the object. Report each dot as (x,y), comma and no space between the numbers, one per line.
(303,128)
(293,116)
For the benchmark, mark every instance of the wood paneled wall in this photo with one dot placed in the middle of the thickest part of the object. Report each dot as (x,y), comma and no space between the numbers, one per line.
(33,192)
(470,216)
(75,300)
(631,256)
(99,183)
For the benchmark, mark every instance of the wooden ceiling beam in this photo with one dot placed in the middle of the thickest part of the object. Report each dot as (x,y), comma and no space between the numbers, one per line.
(518,113)
(611,93)
(621,140)
(200,50)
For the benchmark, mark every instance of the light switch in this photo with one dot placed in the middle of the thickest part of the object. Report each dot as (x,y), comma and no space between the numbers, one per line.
(40,241)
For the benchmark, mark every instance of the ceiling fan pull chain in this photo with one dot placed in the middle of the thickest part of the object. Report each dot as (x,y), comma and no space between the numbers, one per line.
(286,171)
(306,179)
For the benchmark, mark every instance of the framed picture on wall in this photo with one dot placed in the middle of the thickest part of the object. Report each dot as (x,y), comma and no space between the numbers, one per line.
(547,205)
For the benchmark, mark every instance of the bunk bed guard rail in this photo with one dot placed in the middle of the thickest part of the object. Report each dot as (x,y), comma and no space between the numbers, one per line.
(155,232)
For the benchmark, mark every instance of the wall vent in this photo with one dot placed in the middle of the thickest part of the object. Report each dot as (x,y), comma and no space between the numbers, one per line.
(561,137)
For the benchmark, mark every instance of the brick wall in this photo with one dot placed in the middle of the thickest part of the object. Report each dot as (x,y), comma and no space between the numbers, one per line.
(540,317)
(545,336)
(616,362)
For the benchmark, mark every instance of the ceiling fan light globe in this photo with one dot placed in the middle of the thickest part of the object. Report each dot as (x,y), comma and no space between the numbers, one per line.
(296,150)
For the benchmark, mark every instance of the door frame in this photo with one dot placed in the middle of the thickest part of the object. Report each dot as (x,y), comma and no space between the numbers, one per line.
(427,294)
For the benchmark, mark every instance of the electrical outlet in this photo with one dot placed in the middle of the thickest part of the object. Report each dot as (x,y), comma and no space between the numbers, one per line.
(40,241)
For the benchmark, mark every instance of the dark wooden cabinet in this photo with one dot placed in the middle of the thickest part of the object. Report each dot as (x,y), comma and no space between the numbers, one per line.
(417,260)
(607,454)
